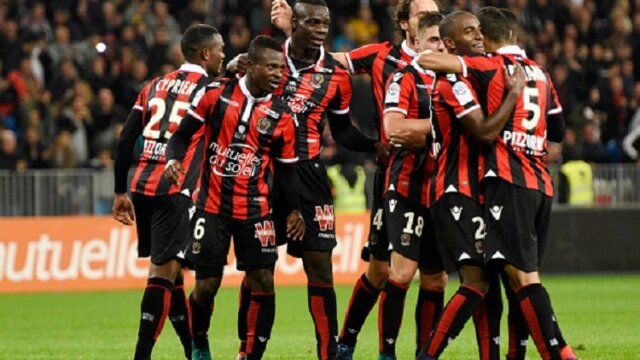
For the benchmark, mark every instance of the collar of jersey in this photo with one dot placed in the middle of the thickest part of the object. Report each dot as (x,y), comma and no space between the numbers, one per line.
(292,67)
(414,63)
(511,50)
(409,51)
(245,91)
(189,67)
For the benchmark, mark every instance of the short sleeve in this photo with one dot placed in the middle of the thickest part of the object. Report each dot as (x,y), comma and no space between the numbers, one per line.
(143,98)
(361,60)
(342,98)
(202,102)
(400,92)
(459,95)
(286,153)
(554,103)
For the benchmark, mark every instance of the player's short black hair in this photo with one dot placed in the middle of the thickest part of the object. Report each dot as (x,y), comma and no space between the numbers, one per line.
(259,44)
(431,18)
(195,38)
(512,20)
(448,22)
(402,10)
(309,2)
(495,26)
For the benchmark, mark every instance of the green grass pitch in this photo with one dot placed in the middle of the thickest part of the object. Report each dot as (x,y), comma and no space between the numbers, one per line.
(599,315)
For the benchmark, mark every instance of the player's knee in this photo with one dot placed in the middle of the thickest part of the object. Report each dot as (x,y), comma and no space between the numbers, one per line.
(473,276)
(206,289)
(168,270)
(260,280)
(318,267)
(378,273)
(402,274)
(435,282)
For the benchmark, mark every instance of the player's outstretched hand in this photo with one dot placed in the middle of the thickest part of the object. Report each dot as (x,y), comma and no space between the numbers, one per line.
(407,139)
(281,15)
(239,64)
(514,82)
(122,209)
(383,150)
(295,226)
(173,171)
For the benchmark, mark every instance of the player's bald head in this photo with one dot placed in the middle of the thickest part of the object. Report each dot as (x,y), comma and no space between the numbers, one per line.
(448,25)
(300,7)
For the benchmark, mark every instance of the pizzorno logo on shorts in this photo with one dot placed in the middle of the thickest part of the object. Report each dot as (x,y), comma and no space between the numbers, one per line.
(234,160)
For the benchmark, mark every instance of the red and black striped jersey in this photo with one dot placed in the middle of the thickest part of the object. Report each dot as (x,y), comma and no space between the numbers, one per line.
(309,92)
(517,155)
(379,61)
(408,92)
(457,153)
(242,134)
(163,102)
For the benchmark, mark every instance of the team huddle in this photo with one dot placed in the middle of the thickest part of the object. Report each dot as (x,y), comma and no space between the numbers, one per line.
(463,118)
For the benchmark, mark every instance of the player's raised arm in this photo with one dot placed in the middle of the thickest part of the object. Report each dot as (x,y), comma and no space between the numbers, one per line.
(487,129)
(439,62)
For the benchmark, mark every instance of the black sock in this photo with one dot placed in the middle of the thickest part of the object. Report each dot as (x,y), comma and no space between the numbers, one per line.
(428,310)
(458,310)
(154,309)
(322,306)
(260,316)
(363,299)
(244,300)
(390,316)
(200,321)
(556,327)
(538,313)
(179,315)
(486,319)
(518,328)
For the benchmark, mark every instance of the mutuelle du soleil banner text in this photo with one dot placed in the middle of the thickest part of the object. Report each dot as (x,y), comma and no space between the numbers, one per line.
(98,253)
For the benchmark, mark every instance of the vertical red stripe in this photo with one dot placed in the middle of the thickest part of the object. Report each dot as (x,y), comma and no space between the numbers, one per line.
(513,338)
(383,299)
(252,323)
(136,176)
(356,289)
(427,311)
(482,330)
(322,324)
(445,322)
(464,185)
(534,328)
(166,304)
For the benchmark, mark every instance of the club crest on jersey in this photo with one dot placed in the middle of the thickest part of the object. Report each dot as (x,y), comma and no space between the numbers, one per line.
(263,125)
(405,239)
(324,217)
(316,80)
(266,233)
(195,247)
(242,129)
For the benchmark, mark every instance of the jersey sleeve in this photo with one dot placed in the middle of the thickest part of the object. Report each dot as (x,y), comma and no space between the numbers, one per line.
(342,98)
(204,100)
(554,102)
(286,151)
(361,59)
(459,95)
(142,100)
(400,92)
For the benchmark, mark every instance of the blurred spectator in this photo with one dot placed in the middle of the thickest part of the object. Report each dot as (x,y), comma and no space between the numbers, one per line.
(8,150)
(34,150)
(64,80)
(61,154)
(76,119)
(106,114)
(363,29)
(592,147)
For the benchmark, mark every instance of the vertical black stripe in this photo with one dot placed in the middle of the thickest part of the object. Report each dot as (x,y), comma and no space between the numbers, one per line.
(213,124)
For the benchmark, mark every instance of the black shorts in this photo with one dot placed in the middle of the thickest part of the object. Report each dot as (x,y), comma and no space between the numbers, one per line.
(460,230)
(163,225)
(317,209)
(254,242)
(517,224)
(377,242)
(411,231)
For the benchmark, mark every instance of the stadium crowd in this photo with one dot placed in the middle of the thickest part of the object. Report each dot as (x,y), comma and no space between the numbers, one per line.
(70,70)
